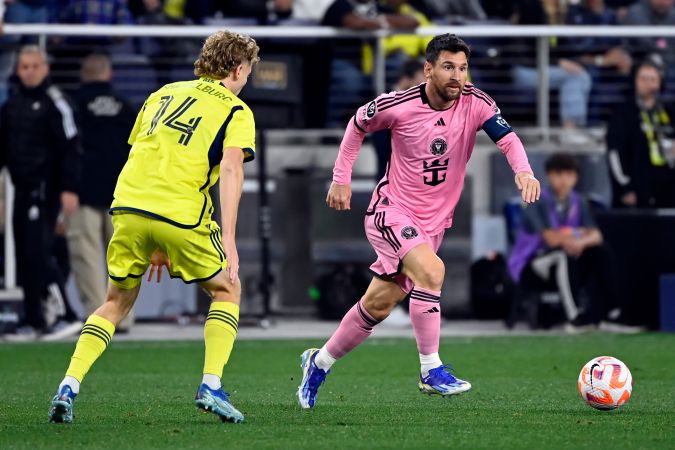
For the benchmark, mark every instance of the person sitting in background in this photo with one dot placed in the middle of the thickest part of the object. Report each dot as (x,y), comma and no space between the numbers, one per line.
(105,121)
(650,13)
(597,52)
(348,79)
(559,246)
(163,52)
(565,74)
(641,154)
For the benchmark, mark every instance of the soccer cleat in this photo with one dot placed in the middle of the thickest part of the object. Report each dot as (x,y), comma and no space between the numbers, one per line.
(441,382)
(217,401)
(312,378)
(62,406)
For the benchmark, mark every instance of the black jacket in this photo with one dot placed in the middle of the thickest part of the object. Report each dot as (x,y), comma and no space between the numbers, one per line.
(105,119)
(629,163)
(38,139)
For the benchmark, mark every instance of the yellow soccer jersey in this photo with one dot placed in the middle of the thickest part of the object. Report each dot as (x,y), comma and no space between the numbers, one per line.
(177,145)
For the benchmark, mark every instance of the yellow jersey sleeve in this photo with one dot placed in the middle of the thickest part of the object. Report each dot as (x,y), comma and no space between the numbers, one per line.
(240,132)
(137,126)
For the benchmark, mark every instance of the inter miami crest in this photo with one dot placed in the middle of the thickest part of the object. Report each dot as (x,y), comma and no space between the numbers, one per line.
(409,233)
(438,146)
(371,110)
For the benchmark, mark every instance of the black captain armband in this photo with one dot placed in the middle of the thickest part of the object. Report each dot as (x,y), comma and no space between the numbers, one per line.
(496,127)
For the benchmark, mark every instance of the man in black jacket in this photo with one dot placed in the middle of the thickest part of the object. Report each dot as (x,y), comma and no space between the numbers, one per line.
(641,151)
(105,120)
(38,143)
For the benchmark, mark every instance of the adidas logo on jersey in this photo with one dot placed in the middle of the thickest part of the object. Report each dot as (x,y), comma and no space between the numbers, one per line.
(432,310)
(440,123)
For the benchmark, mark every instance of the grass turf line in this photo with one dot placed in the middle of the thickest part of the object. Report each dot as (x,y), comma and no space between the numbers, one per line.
(140,395)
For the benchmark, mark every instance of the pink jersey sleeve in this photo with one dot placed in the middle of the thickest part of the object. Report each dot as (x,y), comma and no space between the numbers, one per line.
(514,151)
(368,118)
(501,133)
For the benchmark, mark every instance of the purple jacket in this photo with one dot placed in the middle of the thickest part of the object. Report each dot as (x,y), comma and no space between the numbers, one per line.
(528,244)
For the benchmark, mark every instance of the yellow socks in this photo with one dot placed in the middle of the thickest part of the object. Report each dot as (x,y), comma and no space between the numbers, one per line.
(220,331)
(94,339)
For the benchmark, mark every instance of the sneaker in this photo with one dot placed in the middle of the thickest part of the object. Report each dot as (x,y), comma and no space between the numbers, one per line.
(24,333)
(312,379)
(61,330)
(62,406)
(612,326)
(217,401)
(441,382)
(580,324)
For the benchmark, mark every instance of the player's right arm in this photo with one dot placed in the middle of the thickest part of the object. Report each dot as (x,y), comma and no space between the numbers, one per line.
(367,119)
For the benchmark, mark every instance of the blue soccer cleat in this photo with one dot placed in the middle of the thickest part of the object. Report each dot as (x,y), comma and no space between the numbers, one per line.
(62,406)
(441,382)
(217,401)
(312,378)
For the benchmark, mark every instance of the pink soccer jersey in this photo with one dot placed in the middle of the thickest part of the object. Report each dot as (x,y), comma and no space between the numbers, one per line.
(430,150)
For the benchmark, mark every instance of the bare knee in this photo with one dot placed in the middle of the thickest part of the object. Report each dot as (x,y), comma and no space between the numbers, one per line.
(431,276)
(224,291)
(118,303)
(379,305)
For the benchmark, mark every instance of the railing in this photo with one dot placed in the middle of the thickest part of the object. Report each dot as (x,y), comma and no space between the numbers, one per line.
(541,33)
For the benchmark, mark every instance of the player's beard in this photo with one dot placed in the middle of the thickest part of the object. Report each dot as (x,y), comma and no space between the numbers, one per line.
(443,93)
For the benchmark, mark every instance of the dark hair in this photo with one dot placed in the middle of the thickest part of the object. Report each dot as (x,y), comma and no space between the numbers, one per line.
(410,68)
(448,42)
(654,61)
(561,162)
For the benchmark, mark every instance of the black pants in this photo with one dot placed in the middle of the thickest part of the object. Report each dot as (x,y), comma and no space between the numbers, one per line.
(34,220)
(593,271)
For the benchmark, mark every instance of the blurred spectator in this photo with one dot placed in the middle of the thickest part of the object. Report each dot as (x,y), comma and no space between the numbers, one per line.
(457,10)
(16,11)
(411,75)
(560,246)
(302,11)
(193,11)
(348,82)
(568,76)
(105,120)
(38,139)
(256,10)
(163,53)
(651,12)
(640,144)
(69,52)
(594,51)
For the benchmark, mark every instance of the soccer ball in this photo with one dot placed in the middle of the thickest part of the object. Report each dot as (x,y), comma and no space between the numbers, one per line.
(605,383)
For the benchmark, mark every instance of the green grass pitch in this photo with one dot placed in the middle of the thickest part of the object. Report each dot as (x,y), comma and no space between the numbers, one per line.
(140,395)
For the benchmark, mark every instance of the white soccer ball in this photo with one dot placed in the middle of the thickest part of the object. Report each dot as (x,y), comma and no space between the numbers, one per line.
(605,383)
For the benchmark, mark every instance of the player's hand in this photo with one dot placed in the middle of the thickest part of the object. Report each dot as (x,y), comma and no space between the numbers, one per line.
(528,186)
(69,202)
(158,260)
(232,269)
(339,196)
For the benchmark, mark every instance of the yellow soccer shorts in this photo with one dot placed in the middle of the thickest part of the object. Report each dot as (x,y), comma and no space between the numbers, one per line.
(196,254)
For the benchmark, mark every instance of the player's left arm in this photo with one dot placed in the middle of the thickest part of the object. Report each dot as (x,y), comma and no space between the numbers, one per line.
(238,147)
(503,135)
(231,185)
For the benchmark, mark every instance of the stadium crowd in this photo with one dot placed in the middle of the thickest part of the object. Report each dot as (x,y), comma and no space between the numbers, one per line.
(622,82)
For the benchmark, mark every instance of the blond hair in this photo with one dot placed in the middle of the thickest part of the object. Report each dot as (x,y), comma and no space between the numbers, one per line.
(222,52)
